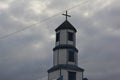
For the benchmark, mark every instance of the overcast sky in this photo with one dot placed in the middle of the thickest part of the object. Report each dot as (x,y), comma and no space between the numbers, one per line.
(27,55)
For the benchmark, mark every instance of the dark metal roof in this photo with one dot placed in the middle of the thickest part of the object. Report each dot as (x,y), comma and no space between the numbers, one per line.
(64,46)
(66,25)
(65,67)
(85,78)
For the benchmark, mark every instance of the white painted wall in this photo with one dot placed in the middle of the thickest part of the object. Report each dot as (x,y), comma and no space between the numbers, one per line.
(65,74)
(55,57)
(55,75)
(64,38)
(60,56)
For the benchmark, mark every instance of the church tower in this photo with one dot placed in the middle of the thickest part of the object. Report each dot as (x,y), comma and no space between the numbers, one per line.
(65,54)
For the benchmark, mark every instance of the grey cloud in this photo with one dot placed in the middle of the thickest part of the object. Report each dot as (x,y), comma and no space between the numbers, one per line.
(27,55)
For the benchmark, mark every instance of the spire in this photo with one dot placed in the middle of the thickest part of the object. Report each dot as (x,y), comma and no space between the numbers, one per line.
(65,54)
(66,25)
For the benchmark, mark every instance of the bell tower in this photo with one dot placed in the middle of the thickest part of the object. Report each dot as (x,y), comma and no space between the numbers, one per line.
(65,54)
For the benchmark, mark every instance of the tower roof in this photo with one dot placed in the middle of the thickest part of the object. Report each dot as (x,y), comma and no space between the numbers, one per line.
(66,25)
(65,67)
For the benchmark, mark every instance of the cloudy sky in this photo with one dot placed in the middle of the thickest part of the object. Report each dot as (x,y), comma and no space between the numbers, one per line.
(27,54)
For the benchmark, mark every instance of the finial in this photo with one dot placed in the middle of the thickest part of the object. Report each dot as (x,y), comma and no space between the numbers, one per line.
(66,15)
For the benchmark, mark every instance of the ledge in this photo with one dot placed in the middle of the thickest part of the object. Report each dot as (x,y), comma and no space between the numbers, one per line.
(65,67)
(65,46)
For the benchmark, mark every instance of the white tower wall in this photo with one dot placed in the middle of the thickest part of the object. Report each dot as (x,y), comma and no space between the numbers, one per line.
(54,75)
(65,55)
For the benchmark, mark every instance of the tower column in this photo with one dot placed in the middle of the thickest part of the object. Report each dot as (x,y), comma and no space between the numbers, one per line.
(65,54)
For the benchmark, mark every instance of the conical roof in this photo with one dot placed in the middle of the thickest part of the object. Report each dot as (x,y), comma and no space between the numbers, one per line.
(65,25)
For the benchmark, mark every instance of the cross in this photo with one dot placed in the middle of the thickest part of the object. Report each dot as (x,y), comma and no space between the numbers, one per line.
(66,15)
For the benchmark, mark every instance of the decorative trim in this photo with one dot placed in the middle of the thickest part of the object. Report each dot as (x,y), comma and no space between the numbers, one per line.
(66,67)
(67,43)
(60,37)
(64,46)
(58,57)
(53,58)
(67,55)
(48,76)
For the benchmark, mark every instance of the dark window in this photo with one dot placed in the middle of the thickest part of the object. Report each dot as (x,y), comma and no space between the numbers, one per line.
(71,56)
(71,75)
(70,36)
(57,37)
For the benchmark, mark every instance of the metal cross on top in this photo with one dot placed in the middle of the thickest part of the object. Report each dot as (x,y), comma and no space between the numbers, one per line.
(66,15)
